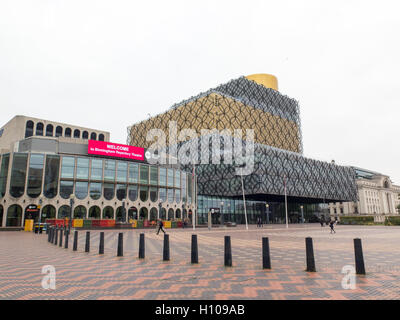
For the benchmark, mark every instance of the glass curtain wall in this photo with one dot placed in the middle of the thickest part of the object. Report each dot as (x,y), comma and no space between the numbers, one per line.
(18,174)
(35,174)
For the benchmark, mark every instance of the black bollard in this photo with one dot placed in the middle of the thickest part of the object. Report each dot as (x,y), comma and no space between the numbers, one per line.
(75,244)
(52,234)
(66,239)
(141,246)
(47,229)
(56,237)
(87,244)
(360,268)
(195,251)
(61,237)
(310,255)
(48,234)
(101,245)
(120,249)
(265,253)
(228,252)
(166,248)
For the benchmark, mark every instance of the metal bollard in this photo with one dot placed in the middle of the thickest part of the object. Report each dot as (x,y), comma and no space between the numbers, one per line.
(195,250)
(47,230)
(228,252)
(166,248)
(265,253)
(56,237)
(48,234)
(310,255)
(66,239)
(87,244)
(61,237)
(120,249)
(101,245)
(359,257)
(52,234)
(141,246)
(75,244)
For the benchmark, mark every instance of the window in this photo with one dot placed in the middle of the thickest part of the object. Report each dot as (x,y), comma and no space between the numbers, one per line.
(163,177)
(170,177)
(144,193)
(177,195)
(121,191)
(95,190)
(108,213)
(144,174)
(85,135)
(35,175)
(14,216)
(51,176)
(18,174)
(4,174)
(66,189)
(108,191)
(49,130)
(177,179)
(29,129)
(68,133)
(133,192)
(64,212)
(80,212)
(153,194)
(81,189)
(101,137)
(94,212)
(59,131)
(133,173)
(77,134)
(163,194)
(39,129)
(122,169)
(153,176)
(67,167)
(82,168)
(93,136)
(170,195)
(109,170)
(184,199)
(97,169)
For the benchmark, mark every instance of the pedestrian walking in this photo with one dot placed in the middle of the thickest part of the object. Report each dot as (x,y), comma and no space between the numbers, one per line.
(321,221)
(332,224)
(160,226)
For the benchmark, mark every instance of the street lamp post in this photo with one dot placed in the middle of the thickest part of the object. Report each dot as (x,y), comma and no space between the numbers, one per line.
(123,211)
(267,206)
(222,213)
(302,214)
(40,210)
(71,203)
(244,199)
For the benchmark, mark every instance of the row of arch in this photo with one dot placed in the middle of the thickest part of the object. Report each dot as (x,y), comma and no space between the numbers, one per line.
(59,132)
(15,216)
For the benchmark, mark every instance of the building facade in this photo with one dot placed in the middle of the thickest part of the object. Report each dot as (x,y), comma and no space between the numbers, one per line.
(40,172)
(280,170)
(377,195)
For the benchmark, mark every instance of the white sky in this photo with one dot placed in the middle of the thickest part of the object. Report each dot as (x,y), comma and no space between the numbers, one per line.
(108,64)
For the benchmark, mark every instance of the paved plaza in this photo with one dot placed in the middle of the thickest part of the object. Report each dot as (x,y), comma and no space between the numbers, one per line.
(81,275)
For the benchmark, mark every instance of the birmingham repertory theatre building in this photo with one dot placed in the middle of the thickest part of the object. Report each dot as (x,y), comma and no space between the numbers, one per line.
(49,168)
(280,170)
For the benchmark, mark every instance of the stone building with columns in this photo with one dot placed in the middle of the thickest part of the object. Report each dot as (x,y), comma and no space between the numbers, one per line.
(377,195)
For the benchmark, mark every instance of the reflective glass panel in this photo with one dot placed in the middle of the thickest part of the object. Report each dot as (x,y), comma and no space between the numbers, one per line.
(153,194)
(67,167)
(5,160)
(121,191)
(95,190)
(144,174)
(163,194)
(35,175)
(18,174)
(170,195)
(133,173)
(51,176)
(109,170)
(144,193)
(81,189)
(153,176)
(66,188)
(170,177)
(133,192)
(108,191)
(163,177)
(177,179)
(122,171)
(97,169)
(82,168)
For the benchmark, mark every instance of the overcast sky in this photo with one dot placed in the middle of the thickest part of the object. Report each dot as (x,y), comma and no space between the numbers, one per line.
(108,64)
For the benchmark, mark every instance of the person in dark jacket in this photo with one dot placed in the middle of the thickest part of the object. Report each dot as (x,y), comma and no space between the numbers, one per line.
(160,226)
(331,225)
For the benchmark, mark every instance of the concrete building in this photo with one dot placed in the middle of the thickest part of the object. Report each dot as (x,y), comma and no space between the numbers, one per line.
(44,164)
(376,193)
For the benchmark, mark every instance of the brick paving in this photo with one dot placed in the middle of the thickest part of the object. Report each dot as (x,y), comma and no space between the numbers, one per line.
(81,275)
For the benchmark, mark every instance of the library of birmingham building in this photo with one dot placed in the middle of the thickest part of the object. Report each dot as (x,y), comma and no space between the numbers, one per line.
(45,167)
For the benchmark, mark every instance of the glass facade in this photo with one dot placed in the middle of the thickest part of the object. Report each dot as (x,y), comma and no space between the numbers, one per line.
(18,174)
(97,169)
(5,160)
(35,173)
(82,168)
(51,176)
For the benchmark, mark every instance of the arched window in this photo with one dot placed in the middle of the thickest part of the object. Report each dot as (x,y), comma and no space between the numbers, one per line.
(108,191)
(120,214)
(163,214)
(170,214)
(77,134)
(80,212)
(48,212)
(49,130)
(132,213)
(108,213)
(81,189)
(63,212)
(39,129)
(94,212)
(178,213)
(121,191)
(144,193)
(68,132)
(133,192)
(59,131)
(153,214)
(93,136)
(85,135)
(101,137)
(29,129)
(14,216)
(143,213)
